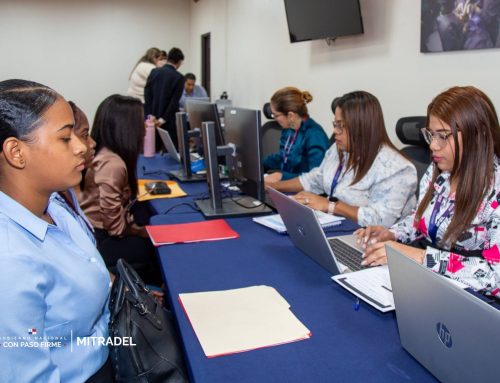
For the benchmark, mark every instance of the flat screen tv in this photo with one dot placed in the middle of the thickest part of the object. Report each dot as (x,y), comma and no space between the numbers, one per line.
(322,19)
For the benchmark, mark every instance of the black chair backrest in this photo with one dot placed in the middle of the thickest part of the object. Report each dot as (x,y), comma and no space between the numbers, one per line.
(417,150)
(271,133)
(266,109)
(408,130)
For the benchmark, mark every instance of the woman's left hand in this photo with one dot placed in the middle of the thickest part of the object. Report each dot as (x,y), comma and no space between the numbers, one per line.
(375,254)
(314,201)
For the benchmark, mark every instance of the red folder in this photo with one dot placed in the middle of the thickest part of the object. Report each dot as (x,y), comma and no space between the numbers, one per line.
(213,230)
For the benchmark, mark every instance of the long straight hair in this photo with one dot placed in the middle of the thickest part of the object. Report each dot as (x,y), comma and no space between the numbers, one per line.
(119,127)
(469,111)
(364,122)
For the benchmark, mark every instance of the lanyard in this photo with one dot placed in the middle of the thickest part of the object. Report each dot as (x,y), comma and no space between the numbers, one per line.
(336,178)
(435,223)
(288,146)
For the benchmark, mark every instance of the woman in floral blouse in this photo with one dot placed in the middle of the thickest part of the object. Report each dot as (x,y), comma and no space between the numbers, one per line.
(455,229)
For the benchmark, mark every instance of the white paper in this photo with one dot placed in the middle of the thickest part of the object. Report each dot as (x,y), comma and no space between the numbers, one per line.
(238,320)
(372,285)
(275,222)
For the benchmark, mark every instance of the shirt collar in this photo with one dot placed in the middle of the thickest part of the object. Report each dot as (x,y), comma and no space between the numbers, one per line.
(23,217)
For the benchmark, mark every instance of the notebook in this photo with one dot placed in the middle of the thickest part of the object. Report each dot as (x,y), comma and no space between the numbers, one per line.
(171,150)
(212,230)
(275,222)
(451,332)
(337,254)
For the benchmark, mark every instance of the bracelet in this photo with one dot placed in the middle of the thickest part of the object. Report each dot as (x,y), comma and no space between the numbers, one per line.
(331,207)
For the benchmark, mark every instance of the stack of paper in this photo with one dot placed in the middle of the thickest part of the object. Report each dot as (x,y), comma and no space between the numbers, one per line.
(275,222)
(213,230)
(239,320)
(373,285)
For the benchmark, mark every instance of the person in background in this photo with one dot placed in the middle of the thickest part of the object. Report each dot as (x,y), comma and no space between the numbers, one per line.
(110,187)
(137,81)
(53,280)
(364,176)
(191,89)
(162,59)
(455,231)
(303,142)
(163,92)
(68,198)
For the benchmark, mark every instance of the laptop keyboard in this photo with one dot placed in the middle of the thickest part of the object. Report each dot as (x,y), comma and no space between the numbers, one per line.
(347,255)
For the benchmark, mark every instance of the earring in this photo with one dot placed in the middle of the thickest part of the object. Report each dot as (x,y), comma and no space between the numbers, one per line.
(292,124)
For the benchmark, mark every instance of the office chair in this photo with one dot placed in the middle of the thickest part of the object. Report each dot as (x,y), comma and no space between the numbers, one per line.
(271,133)
(417,150)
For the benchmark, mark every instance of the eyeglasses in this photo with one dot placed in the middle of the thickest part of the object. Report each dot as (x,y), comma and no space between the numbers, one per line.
(441,138)
(339,125)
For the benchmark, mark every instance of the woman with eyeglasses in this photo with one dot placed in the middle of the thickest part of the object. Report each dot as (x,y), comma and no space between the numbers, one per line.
(303,142)
(363,175)
(455,229)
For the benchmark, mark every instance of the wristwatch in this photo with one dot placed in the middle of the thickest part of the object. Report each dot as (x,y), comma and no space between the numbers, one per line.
(331,204)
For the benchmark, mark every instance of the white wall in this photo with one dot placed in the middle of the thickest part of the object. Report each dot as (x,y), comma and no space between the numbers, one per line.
(252,57)
(86,49)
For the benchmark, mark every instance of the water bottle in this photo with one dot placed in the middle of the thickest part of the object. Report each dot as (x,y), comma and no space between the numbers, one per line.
(149,138)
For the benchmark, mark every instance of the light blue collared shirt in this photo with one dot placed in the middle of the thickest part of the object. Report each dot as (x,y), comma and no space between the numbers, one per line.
(54,287)
(198,92)
(77,212)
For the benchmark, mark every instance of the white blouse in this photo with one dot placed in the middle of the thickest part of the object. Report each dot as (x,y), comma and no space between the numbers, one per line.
(385,194)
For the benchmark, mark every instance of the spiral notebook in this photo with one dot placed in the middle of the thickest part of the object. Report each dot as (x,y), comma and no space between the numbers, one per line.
(275,222)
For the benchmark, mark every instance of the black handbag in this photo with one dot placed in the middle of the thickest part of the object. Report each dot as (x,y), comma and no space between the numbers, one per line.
(150,350)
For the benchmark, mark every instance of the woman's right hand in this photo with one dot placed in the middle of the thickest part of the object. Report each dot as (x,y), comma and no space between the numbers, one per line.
(272,178)
(373,234)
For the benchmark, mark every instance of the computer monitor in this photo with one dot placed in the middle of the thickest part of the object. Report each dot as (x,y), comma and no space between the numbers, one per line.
(243,129)
(199,112)
(245,168)
(183,134)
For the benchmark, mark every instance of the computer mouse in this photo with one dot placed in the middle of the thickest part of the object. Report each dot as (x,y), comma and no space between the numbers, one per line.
(158,187)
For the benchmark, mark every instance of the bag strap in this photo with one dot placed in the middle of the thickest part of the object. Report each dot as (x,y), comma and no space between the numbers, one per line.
(134,283)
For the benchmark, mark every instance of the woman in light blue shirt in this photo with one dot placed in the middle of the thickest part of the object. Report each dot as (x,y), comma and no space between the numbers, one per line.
(363,175)
(54,286)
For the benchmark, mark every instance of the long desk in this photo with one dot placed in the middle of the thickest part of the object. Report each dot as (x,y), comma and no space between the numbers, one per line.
(346,345)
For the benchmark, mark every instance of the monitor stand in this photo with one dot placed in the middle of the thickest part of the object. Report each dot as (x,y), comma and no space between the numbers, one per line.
(230,208)
(216,206)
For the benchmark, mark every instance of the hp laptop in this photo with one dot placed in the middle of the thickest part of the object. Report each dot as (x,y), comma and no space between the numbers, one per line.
(169,145)
(336,254)
(451,332)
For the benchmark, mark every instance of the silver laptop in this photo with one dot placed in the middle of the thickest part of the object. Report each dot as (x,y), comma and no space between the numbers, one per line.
(336,254)
(449,331)
(169,145)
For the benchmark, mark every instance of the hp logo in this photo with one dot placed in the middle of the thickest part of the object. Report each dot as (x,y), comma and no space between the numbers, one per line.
(444,334)
(301,230)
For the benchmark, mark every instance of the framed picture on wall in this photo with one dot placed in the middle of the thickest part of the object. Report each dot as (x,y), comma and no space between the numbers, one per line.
(450,25)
